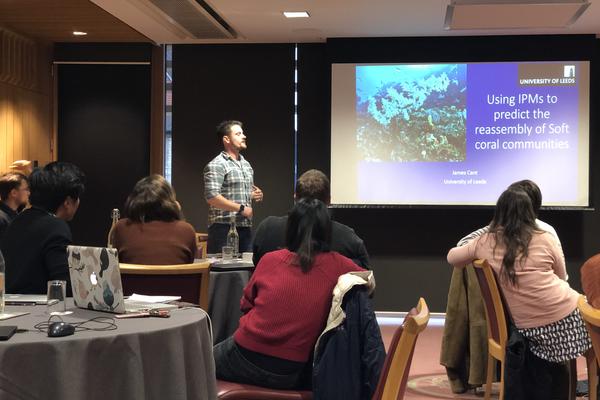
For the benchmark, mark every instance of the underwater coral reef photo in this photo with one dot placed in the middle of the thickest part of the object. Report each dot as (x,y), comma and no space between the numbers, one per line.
(411,112)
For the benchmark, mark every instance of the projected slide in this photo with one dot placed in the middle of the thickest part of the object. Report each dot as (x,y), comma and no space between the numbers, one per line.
(459,133)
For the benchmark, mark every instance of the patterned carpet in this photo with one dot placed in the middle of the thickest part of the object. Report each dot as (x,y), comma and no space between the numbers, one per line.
(437,386)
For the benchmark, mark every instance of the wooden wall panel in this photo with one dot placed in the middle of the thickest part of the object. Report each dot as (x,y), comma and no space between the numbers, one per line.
(25,100)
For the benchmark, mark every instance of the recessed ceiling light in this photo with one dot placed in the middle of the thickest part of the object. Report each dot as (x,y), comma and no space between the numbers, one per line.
(296,14)
(79,33)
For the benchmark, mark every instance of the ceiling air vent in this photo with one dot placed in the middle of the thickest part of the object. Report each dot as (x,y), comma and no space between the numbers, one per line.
(513,14)
(196,17)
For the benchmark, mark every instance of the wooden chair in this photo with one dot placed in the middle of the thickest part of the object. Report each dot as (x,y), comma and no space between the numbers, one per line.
(240,391)
(392,381)
(394,375)
(591,316)
(497,328)
(190,281)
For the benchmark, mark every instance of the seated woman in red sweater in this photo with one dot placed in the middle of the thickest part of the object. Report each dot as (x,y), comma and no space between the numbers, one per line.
(285,304)
(531,272)
(153,231)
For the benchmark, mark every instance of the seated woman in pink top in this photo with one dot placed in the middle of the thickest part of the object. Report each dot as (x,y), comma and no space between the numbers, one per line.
(153,231)
(285,304)
(531,272)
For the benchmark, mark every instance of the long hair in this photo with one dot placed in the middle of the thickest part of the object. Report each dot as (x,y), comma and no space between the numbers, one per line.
(532,190)
(513,225)
(152,199)
(308,231)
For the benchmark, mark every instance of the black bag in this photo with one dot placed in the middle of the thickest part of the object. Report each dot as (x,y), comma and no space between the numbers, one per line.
(528,377)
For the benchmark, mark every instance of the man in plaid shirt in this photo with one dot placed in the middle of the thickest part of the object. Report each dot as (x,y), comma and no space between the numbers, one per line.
(229,189)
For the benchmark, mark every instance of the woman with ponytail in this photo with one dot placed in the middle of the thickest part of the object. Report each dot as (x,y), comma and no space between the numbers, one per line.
(285,304)
(530,267)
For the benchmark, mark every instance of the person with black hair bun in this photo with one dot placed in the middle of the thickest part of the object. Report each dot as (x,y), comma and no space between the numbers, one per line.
(153,230)
(285,304)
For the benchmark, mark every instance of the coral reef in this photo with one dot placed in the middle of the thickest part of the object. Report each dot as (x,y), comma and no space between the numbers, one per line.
(416,119)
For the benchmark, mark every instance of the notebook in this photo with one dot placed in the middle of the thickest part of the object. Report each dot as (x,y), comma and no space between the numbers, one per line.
(96,281)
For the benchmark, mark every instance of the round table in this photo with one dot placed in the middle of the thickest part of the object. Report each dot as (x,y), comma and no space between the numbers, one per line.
(144,358)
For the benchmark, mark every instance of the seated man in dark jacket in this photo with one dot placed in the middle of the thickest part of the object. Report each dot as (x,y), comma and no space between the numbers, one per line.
(270,234)
(34,245)
(14,195)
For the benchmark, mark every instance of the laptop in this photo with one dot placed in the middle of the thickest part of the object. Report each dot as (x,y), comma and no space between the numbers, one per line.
(25,299)
(96,281)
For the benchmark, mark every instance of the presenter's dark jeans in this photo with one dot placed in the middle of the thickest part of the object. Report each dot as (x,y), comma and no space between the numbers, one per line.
(217,238)
(231,365)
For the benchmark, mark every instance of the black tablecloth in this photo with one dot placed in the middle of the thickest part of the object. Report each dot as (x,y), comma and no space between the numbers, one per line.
(225,292)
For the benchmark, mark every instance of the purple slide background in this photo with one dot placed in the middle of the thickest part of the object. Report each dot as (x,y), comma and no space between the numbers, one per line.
(555,171)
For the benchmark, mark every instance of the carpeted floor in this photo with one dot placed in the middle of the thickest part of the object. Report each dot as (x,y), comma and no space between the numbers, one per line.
(427,378)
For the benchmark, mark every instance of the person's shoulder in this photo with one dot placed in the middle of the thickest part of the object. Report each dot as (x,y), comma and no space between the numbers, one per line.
(184,226)
(339,227)
(245,162)
(544,237)
(4,218)
(48,223)
(273,220)
(275,257)
(218,160)
(340,261)
(42,217)
(344,237)
(4,211)
(546,227)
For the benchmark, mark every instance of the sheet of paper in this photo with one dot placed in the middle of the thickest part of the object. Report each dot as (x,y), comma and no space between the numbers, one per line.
(11,315)
(152,299)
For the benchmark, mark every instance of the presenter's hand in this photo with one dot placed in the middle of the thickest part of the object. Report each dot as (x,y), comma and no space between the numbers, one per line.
(247,212)
(257,194)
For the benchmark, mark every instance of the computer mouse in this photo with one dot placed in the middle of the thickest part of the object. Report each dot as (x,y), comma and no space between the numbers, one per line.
(58,329)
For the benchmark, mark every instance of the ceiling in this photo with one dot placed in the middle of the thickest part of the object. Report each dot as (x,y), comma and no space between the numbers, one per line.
(55,21)
(254,21)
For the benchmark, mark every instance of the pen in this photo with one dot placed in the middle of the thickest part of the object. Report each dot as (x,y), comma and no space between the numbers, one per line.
(18,303)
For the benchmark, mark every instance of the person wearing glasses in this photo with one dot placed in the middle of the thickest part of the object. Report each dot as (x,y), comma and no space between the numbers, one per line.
(14,196)
(34,245)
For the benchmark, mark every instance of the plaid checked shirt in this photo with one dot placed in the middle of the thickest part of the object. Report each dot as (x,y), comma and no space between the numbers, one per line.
(233,180)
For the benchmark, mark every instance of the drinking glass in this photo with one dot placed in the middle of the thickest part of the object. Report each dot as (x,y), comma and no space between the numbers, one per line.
(57,295)
(227,253)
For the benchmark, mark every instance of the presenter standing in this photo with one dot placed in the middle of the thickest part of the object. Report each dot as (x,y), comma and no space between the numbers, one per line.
(229,189)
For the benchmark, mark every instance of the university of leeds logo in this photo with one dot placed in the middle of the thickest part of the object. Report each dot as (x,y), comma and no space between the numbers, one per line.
(569,71)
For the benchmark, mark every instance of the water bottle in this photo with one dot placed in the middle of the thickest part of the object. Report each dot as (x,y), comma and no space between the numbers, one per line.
(115,215)
(233,239)
(1,284)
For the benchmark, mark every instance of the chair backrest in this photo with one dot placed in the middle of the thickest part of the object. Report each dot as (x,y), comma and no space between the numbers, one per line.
(190,281)
(591,316)
(394,375)
(494,308)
